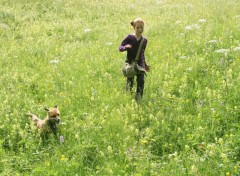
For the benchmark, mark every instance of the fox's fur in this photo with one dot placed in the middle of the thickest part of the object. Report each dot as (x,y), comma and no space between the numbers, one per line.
(49,124)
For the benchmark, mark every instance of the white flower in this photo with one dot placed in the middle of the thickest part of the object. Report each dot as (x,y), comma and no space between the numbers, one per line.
(188,27)
(212,109)
(193,26)
(183,57)
(108,43)
(61,139)
(54,61)
(178,22)
(202,159)
(159,2)
(173,155)
(196,26)
(87,30)
(237,48)
(202,20)
(4,26)
(220,165)
(212,41)
(222,50)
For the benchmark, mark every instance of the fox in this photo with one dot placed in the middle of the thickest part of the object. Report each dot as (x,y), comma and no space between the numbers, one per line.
(49,124)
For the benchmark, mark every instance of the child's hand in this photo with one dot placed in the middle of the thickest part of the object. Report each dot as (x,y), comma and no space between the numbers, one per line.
(147,68)
(128,46)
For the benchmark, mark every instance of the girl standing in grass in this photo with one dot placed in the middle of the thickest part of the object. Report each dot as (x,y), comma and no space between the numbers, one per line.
(131,44)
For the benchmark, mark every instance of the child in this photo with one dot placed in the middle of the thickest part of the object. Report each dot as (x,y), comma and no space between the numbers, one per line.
(131,44)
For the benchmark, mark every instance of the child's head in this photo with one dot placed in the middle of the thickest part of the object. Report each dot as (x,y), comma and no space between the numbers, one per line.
(138,26)
(136,21)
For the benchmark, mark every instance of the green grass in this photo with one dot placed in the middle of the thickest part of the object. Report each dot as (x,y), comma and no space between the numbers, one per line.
(187,122)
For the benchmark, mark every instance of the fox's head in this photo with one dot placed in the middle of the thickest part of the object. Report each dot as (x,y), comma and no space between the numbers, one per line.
(53,114)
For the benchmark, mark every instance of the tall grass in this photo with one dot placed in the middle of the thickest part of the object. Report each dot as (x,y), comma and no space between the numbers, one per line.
(65,53)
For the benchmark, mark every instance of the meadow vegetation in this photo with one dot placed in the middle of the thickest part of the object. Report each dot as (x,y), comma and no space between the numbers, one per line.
(65,53)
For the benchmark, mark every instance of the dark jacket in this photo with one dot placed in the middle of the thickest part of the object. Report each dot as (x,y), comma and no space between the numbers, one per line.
(132,52)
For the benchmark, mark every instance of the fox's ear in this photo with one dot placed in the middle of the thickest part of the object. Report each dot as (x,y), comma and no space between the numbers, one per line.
(46,109)
(55,106)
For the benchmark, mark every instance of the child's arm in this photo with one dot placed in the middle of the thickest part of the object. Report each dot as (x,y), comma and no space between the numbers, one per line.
(125,45)
(147,67)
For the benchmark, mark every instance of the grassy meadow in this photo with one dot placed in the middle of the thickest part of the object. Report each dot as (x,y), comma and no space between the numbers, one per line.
(65,53)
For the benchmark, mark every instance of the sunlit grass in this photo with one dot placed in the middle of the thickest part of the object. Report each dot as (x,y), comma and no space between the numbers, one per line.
(65,53)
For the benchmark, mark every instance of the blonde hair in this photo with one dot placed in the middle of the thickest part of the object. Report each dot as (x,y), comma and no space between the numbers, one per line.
(137,20)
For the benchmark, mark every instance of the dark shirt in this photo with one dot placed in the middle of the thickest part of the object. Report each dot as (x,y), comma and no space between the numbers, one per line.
(132,52)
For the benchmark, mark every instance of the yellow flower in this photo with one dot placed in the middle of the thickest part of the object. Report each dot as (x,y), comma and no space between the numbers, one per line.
(109,148)
(63,157)
(228,174)
(137,174)
(144,141)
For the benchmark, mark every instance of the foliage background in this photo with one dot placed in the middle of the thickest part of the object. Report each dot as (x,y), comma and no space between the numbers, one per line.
(65,53)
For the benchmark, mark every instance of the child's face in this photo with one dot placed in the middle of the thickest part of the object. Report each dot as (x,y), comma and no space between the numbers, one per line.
(139,28)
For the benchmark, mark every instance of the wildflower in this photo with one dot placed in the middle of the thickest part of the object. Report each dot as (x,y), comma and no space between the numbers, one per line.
(102,153)
(179,130)
(159,2)
(201,102)
(221,51)
(213,110)
(187,148)
(183,57)
(108,43)
(188,27)
(144,141)
(178,22)
(237,48)
(196,26)
(228,174)
(54,61)
(220,165)
(137,174)
(87,30)
(190,41)
(202,159)
(63,157)
(193,170)
(202,20)
(61,139)
(220,140)
(212,41)
(222,61)
(4,26)
(193,26)
(175,154)
(109,148)
(76,136)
